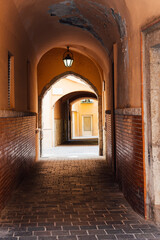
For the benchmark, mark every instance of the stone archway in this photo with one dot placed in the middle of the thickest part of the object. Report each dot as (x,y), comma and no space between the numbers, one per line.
(151,116)
(99,98)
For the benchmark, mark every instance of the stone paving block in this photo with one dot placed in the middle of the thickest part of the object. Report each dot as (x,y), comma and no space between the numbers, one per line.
(28,238)
(130,230)
(95,232)
(141,226)
(71,228)
(108,237)
(156,234)
(17,229)
(33,224)
(149,230)
(58,233)
(8,238)
(67,238)
(54,228)
(47,238)
(126,236)
(145,236)
(42,233)
(105,227)
(88,227)
(36,229)
(45,224)
(6,233)
(23,233)
(90,237)
(114,231)
(78,232)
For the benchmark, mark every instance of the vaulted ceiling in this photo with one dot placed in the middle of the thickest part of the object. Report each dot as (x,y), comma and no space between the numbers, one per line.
(90,27)
(87,26)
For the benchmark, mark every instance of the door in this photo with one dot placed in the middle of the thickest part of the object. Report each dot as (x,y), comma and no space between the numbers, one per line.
(87,125)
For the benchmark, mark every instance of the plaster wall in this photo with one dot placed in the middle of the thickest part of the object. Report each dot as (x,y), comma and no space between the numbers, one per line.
(59,123)
(84,109)
(51,67)
(58,132)
(14,39)
(130,56)
(68,86)
(128,53)
(58,111)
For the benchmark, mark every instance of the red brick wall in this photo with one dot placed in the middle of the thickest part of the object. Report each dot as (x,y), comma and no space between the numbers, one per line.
(17,152)
(129,157)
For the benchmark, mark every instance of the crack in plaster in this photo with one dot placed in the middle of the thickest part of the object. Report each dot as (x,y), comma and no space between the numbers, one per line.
(121,23)
(81,23)
(64,8)
(117,17)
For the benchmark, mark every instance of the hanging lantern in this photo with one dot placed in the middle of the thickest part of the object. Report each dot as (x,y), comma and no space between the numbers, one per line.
(68,58)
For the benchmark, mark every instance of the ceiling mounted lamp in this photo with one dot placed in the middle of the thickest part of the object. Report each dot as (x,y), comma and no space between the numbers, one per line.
(68,58)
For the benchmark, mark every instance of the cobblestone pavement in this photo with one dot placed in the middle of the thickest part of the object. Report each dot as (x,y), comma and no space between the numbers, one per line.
(72,200)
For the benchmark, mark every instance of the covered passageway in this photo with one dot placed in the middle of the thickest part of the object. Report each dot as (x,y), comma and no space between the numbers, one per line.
(114,47)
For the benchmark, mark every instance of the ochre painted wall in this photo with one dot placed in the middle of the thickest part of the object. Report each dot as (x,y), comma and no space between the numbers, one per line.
(51,66)
(15,40)
(85,109)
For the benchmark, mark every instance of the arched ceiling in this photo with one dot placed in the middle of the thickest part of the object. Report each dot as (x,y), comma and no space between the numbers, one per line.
(51,69)
(73,96)
(89,26)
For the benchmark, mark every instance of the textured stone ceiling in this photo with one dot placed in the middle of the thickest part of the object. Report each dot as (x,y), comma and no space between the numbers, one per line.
(82,24)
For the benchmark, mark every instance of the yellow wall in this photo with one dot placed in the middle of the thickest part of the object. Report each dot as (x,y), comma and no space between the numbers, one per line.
(81,109)
(51,66)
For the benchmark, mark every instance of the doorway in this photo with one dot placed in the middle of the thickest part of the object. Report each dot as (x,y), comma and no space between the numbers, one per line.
(87,125)
(151,116)
(61,95)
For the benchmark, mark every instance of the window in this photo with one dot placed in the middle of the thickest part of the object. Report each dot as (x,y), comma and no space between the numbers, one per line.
(87,101)
(11,98)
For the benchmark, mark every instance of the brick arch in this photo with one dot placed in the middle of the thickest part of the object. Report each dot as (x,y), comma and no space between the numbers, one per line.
(99,98)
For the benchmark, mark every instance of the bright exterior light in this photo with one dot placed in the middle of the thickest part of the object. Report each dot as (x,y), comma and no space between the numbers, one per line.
(68,58)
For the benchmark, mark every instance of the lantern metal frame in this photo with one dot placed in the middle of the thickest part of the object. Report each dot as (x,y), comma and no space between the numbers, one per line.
(68,58)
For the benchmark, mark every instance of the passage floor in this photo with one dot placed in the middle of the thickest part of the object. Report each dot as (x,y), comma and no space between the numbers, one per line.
(72,200)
